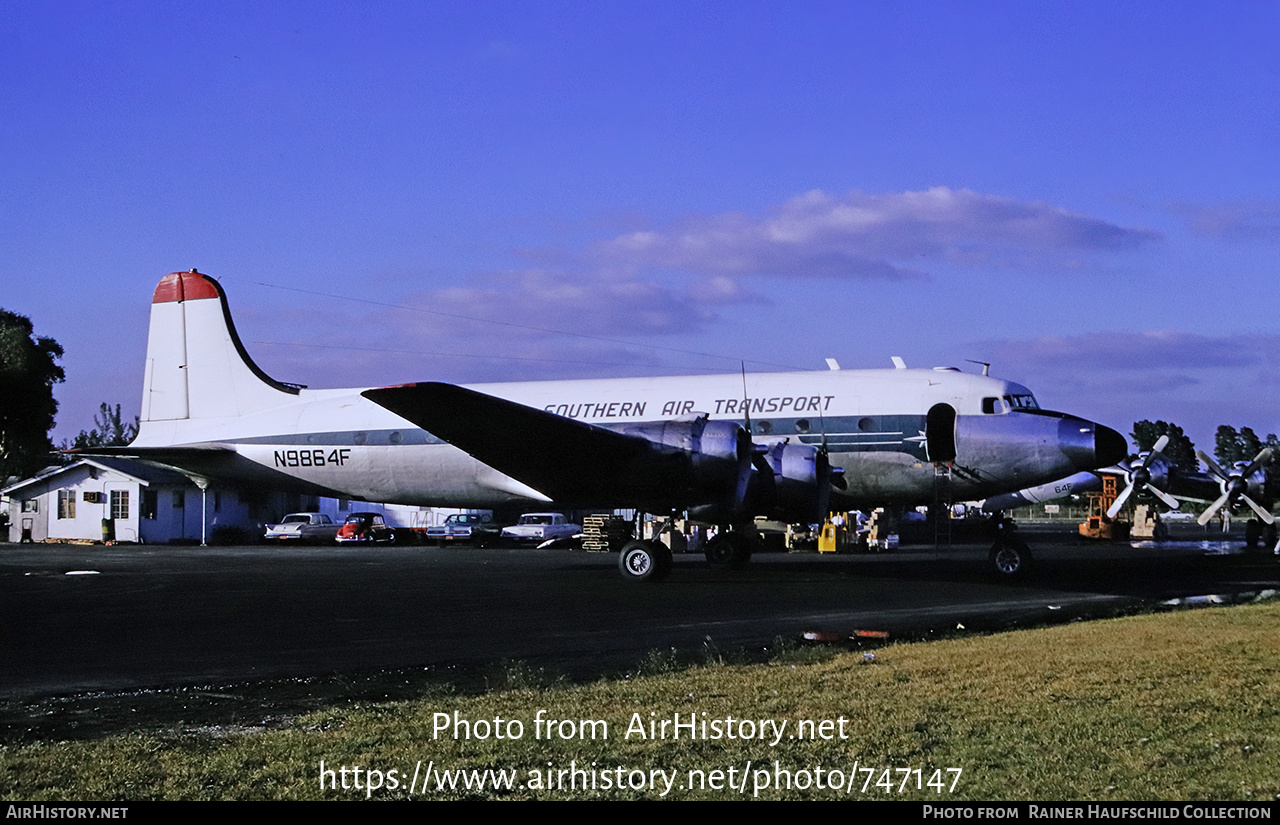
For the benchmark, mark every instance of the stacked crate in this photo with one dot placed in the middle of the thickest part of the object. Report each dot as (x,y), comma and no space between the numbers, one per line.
(605,533)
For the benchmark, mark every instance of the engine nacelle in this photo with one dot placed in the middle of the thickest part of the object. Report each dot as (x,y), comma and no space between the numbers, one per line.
(717,439)
(801,483)
(731,479)
(703,461)
(787,482)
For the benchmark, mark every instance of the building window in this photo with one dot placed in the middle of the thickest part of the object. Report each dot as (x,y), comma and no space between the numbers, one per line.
(120,504)
(31,505)
(179,499)
(217,501)
(149,503)
(66,504)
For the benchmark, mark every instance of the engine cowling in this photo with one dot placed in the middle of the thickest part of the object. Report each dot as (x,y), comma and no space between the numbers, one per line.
(705,460)
(801,483)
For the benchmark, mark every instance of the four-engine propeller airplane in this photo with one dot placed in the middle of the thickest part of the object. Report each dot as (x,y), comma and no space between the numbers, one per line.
(724,448)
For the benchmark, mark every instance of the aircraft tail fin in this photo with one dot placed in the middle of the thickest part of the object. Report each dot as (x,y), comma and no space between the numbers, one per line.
(196,365)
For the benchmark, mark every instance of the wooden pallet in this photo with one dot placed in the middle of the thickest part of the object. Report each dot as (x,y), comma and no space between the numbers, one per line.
(605,533)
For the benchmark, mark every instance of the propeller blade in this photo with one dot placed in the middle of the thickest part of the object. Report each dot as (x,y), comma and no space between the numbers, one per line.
(1160,444)
(1262,512)
(1208,462)
(1213,508)
(1171,502)
(1119,502)
(746,466)
(1259,460)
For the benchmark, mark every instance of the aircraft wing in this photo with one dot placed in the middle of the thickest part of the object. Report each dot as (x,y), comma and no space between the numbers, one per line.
(566,460)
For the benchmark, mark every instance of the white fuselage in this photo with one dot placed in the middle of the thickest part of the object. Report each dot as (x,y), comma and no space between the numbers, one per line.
(872,421)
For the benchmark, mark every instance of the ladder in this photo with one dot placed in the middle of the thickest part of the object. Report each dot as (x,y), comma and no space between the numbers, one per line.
(942,502)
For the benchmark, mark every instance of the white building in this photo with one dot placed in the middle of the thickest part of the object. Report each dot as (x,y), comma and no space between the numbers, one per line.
(117,499)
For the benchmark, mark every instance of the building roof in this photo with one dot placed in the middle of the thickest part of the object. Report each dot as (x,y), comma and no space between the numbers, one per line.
(141,472)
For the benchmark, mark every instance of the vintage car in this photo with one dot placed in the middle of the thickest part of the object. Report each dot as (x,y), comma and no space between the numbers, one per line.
(475,528)
(302,528)
(540,527)
(367,528)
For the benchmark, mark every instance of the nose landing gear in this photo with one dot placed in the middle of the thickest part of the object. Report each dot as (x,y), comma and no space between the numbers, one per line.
(1010,556)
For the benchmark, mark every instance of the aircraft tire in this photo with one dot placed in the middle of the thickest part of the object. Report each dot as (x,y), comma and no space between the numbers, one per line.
(731,550)
(1010,559)
(1252,534)
(644,561)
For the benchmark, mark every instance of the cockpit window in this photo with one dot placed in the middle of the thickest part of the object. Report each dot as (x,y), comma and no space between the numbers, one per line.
(1022,402)
(991,406)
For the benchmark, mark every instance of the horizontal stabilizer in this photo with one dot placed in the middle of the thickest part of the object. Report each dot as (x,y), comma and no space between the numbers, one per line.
(207,460)
(159,454)
(569,461)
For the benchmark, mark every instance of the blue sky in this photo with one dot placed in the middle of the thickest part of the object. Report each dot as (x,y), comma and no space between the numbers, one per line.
(1083,194)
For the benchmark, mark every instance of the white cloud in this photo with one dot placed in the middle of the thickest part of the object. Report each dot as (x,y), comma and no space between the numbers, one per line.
(603,304)
(870,236)
(1256,220)
(1151,350)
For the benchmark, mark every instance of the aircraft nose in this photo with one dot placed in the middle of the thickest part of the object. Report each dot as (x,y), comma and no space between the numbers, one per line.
(1089,445)
(1109,446)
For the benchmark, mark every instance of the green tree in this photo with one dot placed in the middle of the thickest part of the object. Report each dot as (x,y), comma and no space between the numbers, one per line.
(1226,446)
(109,430)
(1180,451)
(1250,444)
(28,370)
(1232,446)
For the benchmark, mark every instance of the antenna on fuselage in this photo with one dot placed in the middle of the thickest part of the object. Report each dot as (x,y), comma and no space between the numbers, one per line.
(986,365)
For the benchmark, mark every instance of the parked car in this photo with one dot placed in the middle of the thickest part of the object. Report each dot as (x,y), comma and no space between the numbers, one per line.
(540,527)
(476,528)
(302,528)
(367,528)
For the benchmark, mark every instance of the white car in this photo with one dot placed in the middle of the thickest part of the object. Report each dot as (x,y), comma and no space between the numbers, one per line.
(302,527)
(541,527)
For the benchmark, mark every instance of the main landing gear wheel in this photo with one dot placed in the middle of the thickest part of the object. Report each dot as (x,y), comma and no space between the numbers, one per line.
(1010,559)
(731,550)
(644,561)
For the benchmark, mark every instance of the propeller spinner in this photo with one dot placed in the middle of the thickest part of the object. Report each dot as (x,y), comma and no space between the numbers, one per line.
(1138,475)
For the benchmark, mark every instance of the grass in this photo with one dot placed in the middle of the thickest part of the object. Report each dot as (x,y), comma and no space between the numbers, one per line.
(1177,706)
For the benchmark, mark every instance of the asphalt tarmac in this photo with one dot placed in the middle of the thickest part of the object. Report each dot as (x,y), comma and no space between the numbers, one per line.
(75,619)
